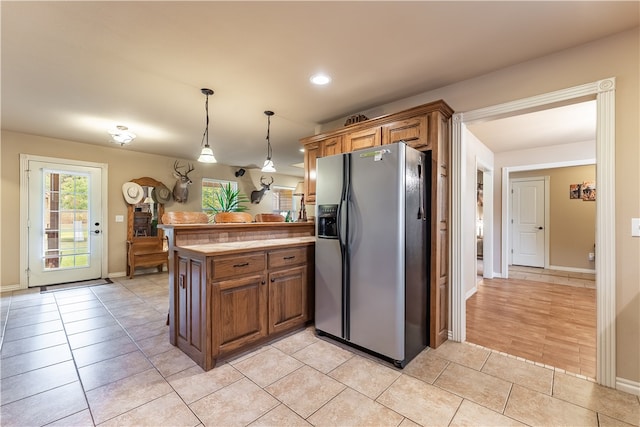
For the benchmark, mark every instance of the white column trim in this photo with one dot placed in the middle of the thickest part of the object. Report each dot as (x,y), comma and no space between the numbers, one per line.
(605,234)
(456,266)
(604,93)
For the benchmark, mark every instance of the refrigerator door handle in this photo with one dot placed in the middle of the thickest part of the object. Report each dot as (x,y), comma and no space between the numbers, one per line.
(343,240)
(421,214)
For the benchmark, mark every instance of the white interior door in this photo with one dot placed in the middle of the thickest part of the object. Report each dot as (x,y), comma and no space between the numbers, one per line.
(528,221)
(64,225)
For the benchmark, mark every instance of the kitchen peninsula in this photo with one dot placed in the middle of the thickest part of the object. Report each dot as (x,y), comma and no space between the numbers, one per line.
(235,286)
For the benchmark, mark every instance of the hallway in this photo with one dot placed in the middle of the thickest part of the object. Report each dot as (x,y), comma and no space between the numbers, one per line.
(541,321)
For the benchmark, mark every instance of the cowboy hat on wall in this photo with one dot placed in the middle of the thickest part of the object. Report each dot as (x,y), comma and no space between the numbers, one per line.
(161,194)
(132,192)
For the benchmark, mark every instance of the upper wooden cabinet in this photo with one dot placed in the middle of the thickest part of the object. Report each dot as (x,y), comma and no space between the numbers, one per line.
(311,153)
(412,131)
(425,128)
(365,138)
(331,146)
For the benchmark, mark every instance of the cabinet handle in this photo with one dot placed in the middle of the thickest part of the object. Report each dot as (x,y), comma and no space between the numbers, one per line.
(273,280)
(290,257)
(181,281)
(264,282)
(244,264)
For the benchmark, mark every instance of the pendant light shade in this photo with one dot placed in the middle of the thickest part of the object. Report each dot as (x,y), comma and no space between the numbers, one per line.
(206,155)
(268,163)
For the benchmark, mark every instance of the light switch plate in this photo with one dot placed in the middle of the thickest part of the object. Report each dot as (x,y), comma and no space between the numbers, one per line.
(635,227)
(119,218)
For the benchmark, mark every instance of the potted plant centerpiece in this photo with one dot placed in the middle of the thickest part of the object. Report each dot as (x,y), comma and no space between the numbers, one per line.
(228,206)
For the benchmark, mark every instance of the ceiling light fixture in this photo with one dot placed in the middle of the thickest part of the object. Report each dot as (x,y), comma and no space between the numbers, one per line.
(268,163)
(121,135)
(320,79)
(206,155)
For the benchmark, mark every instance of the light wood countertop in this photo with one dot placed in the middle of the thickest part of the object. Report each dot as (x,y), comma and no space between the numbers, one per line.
(211,249)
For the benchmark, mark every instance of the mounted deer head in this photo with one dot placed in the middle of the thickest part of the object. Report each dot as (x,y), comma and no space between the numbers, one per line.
(257,195)
(180,188)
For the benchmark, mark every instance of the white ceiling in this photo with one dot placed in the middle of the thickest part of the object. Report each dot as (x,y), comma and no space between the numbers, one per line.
(555,126)
(72,69)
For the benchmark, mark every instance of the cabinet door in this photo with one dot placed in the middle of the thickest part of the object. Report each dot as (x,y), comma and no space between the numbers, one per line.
(191,305)
(439,230)
(331,146)
(363,139)
(311,153)
(412,131)
(287,299)
(239,312)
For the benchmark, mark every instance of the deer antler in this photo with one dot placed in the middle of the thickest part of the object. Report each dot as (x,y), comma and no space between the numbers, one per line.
(262,181)
(176,165)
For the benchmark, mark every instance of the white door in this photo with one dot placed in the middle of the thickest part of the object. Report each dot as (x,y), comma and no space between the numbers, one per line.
(64,224)
(527,220)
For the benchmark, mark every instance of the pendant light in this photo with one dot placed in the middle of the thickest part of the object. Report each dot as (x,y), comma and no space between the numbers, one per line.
(268,163)
(206,155)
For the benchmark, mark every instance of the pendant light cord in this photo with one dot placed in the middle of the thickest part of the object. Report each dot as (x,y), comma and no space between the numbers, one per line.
(268,140)
(206,129)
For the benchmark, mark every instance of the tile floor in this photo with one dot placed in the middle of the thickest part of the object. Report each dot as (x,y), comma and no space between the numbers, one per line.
(101,356)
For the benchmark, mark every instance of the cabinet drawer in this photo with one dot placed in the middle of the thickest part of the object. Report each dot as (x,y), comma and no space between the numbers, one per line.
(236,265)
(286,257)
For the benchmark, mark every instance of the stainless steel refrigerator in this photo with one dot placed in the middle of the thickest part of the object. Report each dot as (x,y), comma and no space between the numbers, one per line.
(372,250)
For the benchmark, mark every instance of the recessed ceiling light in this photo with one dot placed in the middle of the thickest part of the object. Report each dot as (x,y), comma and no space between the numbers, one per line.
(302,150)
(320,79)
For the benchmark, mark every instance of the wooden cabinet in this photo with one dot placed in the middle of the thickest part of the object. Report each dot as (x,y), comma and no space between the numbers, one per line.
(331,146)
(365,138)
(426,128)
(439,276)
(239,312)
(412,131)
(242,299)
(288,300)
(192,307)
(311,153)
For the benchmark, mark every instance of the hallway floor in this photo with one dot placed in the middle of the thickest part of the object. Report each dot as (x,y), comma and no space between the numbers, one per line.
(101,356)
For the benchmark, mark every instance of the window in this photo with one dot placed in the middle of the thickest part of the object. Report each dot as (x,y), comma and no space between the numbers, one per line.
(283,202)
(210,187)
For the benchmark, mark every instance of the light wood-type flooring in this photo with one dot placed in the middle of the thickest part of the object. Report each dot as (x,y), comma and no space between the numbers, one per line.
(549,323)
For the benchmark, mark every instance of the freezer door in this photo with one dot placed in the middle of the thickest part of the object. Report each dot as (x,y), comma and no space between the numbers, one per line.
(377,245)
(328,284)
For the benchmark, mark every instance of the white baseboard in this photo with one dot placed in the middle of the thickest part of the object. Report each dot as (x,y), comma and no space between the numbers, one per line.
(628,386)
(117,274)
(470,292)
(10,288)
(572,269)
(497,275)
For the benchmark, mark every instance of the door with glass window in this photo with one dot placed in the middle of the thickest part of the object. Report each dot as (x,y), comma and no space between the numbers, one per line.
(64,224)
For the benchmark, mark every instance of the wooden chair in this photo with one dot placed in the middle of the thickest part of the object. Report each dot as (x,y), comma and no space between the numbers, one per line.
(269,217)
(185,218)
(233,217)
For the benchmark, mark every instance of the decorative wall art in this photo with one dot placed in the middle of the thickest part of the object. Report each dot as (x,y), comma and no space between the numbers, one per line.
(585,191)
(588,191)
(574,191)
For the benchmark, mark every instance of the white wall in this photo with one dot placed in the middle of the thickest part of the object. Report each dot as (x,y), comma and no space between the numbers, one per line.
(477,154)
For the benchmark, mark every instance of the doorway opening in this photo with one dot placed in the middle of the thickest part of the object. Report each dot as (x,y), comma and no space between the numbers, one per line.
(603,92)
